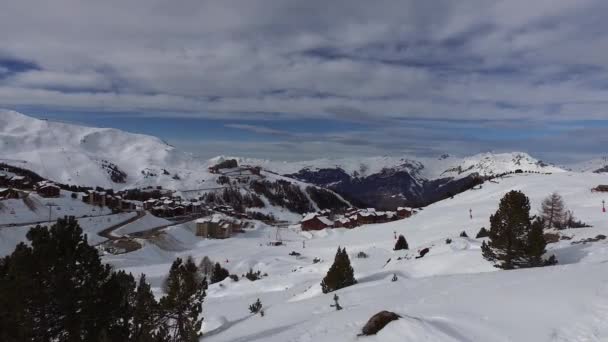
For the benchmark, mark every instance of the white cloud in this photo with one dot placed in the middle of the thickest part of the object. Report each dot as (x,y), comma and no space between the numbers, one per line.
(507,59)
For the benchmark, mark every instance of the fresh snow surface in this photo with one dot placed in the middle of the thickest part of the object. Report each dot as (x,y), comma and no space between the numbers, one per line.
(452,294)
(11,236)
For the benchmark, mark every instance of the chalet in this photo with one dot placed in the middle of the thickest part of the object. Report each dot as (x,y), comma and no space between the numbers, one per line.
(20,182)
(344,222)
(366,217)
(10,193)
(47,189)
(600,188)
(4,178)
(313,221)
(217,226)
(404,212)
(149,204)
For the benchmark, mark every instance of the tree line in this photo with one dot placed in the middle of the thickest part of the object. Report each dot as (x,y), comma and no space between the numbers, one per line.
(57,289)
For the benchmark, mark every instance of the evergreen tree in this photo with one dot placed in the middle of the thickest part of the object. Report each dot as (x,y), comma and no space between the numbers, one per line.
(514,241)
(401,243)
(57,289)
(146,313)
(219,273)
(53,288)
(464,234)
(536,246)
(183,303)
(256,307)
(340,274)
(553,211)
(483,232)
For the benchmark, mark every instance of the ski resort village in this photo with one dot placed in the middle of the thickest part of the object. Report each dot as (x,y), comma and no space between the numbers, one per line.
(491,247)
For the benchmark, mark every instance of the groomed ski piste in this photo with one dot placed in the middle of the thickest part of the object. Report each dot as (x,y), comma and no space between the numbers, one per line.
(452,294)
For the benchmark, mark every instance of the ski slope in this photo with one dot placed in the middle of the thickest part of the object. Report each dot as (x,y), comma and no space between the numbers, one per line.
(452,294)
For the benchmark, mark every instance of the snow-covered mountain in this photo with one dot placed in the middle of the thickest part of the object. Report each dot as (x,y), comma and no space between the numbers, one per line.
(389,182)
(88,156)
(598,165)
(111,158)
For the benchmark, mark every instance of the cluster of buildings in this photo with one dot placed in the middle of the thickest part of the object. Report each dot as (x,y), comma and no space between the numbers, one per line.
(351,218)
(11,180)
(173,207)
(104,199)
(218,226)
(12,186)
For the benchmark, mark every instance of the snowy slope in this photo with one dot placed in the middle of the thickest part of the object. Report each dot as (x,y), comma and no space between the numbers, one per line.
(75,154)
(598,165)
(452,294)
(17,211)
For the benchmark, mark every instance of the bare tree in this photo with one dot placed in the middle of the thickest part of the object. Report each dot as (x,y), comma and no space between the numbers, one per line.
(553,211)
(206,267)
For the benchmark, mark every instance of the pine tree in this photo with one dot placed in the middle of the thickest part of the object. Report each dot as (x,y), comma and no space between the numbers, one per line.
(146,313)
(553,211)
(219,273)
(483,232)
(58,289)
(536,246)
(256,307)
(401,243)
(514,242)
(340,274)
(183,303)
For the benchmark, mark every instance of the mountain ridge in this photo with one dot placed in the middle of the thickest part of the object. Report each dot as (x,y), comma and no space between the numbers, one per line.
(112,158)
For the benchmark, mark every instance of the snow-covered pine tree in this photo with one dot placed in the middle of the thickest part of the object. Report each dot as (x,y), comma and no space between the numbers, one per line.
(514,241)
(340,274)
(256,307)
(483,232)
(219,273)
(182,305)
(401,243)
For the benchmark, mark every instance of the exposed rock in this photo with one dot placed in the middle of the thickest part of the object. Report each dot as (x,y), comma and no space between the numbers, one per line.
(378,321)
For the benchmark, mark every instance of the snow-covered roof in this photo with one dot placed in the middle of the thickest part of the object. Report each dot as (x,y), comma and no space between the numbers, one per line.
(309,217)
(215,218)
(325,220)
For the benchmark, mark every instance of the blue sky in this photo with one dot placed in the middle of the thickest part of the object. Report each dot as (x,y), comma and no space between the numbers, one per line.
(300,80)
